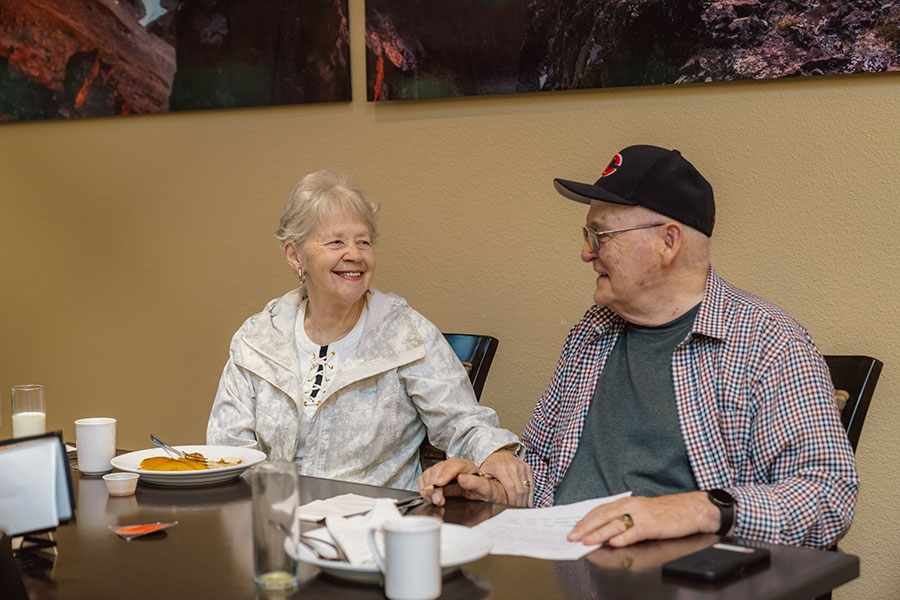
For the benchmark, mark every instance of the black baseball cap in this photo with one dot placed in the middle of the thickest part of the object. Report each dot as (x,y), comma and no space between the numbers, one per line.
(655,178)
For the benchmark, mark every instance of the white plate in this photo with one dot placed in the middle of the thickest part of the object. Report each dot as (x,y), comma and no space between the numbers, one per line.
(459,545)
(131,463)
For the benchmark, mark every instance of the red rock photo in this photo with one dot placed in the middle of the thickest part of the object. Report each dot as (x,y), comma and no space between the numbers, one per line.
(92,58)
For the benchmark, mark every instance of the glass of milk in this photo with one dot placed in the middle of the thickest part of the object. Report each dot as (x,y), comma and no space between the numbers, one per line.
(29,410)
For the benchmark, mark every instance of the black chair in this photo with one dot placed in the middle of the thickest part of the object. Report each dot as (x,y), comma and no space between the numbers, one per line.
(854,379)
(476,353)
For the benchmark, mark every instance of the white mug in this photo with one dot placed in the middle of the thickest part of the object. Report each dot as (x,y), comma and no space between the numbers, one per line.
(95,441)
(412,558)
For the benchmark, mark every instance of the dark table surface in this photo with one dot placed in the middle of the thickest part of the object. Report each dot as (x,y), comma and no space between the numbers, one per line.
(208,555)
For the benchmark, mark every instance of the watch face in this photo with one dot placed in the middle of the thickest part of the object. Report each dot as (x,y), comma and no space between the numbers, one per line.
(721,497)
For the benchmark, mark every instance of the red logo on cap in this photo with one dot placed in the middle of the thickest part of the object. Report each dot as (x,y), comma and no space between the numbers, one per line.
(611,167)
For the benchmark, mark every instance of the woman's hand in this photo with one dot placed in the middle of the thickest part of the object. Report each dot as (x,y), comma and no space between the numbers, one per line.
(458,477)
(514,474)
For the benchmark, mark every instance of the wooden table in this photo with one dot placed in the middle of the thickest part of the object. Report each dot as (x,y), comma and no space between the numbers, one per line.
(208,555)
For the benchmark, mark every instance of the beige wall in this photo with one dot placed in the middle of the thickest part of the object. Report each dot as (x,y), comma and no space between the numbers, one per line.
(132,248)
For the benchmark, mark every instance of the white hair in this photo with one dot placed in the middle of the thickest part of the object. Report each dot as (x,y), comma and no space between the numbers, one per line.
(696,248)
(319,195)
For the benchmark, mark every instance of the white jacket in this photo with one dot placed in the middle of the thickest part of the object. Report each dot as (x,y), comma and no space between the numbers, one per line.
(402,378)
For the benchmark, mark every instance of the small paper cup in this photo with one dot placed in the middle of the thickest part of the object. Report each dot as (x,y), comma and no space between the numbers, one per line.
(121,484)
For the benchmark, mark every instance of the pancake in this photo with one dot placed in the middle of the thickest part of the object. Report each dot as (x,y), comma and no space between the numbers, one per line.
(166,463)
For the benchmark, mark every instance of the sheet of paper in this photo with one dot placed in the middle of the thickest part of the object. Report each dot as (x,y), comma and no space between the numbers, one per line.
(28,478)
(540,532)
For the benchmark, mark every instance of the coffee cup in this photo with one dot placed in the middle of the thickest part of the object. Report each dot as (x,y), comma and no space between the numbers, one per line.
(411,562)
(95,441)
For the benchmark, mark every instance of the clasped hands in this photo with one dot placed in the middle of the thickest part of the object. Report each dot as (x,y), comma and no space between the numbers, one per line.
(662,517)
(502,478)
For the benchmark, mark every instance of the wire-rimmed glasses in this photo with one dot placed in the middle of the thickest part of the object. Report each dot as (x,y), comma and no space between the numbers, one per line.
(595,238)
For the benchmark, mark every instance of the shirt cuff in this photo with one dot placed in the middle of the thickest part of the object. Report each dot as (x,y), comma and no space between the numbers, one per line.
(517,448)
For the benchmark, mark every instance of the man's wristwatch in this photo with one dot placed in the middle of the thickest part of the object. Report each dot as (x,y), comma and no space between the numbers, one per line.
(725,503)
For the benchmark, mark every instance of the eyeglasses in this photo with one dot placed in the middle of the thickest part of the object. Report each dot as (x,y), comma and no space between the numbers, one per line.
(595,238)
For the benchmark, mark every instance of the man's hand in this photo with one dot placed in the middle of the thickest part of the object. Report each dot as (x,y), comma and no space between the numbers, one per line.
(514,474)
(434,484)
(673,516)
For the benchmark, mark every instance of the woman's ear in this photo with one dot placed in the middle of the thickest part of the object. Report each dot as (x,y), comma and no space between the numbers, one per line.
(292,256)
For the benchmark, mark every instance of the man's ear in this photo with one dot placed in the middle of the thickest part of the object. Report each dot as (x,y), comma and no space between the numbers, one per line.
(673,240)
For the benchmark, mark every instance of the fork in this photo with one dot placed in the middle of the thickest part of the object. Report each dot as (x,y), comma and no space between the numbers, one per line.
(407,504)
(309,545)
(308,542)
(194,456)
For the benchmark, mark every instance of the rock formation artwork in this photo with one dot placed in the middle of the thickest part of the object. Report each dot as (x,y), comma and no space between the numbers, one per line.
(426,49)
(63,59)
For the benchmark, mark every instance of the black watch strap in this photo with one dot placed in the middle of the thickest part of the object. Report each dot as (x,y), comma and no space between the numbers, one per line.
(725,503)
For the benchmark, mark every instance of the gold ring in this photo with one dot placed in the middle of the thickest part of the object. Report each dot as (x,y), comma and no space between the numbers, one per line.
(627,521)
(484,475)
(526,483)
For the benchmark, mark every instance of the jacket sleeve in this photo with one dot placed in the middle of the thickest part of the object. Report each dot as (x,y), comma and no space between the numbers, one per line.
(232,420)
(800,447)
(440,389)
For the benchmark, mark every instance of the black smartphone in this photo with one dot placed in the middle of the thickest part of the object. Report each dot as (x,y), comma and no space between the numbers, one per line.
(717,562)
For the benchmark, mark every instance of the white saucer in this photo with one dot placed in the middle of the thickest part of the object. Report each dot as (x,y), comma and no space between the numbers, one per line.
(459,545)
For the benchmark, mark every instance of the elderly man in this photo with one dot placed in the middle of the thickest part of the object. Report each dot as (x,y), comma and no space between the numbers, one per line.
(711,405)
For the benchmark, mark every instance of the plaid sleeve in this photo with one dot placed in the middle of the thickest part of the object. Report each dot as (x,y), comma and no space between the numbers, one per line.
(799,445)
(539,433)
(551,437)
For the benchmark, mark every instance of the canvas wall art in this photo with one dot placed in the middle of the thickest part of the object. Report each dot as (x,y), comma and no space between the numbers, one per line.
(427,49)
(63,59)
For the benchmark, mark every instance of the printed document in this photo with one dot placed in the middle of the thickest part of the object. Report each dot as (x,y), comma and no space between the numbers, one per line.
(541,532)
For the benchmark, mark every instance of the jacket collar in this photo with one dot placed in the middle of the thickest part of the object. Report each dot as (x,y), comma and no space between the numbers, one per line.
(268,346)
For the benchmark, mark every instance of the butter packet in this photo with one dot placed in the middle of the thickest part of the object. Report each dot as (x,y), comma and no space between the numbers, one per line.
(129,532)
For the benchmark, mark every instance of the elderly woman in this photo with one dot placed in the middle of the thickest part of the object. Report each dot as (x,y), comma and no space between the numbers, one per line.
(344,379)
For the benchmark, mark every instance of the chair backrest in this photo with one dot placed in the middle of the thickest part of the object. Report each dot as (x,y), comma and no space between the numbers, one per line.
(857,376)
(476,352)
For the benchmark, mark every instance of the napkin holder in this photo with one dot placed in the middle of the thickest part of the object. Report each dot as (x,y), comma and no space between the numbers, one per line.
(37,545)
(36,542)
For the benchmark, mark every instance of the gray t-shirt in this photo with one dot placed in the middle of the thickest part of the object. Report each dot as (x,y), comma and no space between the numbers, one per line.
(631,438)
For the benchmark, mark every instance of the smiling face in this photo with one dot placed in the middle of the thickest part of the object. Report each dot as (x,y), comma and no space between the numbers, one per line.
(338,260)
(627,263)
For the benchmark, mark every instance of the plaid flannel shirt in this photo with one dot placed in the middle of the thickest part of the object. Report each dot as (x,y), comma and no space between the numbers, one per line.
(756,409)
